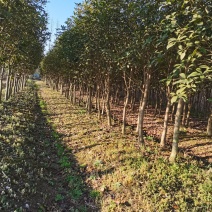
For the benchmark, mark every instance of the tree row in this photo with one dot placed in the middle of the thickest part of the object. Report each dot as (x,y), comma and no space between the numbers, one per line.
(23,33)
(149,53)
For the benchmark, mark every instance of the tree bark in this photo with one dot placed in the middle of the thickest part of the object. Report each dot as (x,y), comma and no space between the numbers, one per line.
(1,83)
(74,94)
(165,125)
(127,87)
(89,103)
(185,111)
(124,111)
(7,84)
(98,102)
(188,114)
(142,111)
(209,126)
(11,86)
(14,84)
(174,152)
(107,87)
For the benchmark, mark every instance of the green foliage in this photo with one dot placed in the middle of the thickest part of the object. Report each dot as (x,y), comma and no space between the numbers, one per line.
(23,32)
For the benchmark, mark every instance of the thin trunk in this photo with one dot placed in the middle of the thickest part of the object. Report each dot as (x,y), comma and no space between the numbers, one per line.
(57,84)
(165,125)
(89,100)
(116,97)
(14,84)
(46,80)
(124,112)
(74,94)
(132,103)
(24,81)
(19,83)
(173,111)
(98,103)
(209,126)
(70,92)
(1,83)
(188,114)
(61,88)
(80,94)
(174,152)
(10,86)
(142,111)
(160,105)
(7,84)
(107,87)
(156,105)
(185,110)
(127,87)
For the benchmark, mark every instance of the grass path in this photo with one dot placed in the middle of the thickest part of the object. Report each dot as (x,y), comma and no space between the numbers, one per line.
(55,157)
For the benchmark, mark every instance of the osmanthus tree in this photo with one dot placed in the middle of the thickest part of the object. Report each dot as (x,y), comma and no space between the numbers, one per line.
(23,34)
(190,25)
(111,48)
(147,35)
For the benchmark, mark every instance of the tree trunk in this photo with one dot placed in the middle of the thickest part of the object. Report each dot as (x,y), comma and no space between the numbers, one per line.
(89,100)
(132,103)
(70,92)
(11,86)
(98,102)
(174,152)
(165,125)
(7,84)
(127,87)
(74,94)
(142,111)
(1,83)
(173,111)
(61,88)
(124,111)
(185,110)
(107,87)
(80,94)
(14,84)
(188,114)
(209,127)
(156,105)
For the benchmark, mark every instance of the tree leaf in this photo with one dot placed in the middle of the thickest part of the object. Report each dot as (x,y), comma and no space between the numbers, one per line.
(194,74)
(174,99)
(182,55)
(183,76)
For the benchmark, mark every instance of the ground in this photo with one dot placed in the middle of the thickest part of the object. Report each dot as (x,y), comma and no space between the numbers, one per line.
(56,157)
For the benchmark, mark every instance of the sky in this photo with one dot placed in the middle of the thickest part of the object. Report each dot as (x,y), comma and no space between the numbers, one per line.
(58,12)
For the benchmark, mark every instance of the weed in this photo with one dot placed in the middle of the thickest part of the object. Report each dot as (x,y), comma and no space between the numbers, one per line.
(95,194)
(64,162)
(59,197)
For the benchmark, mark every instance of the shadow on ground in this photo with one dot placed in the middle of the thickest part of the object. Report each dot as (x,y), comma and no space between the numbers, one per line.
(37,173)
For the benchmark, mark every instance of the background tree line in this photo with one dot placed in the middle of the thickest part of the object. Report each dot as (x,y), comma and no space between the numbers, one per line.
(23,33)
